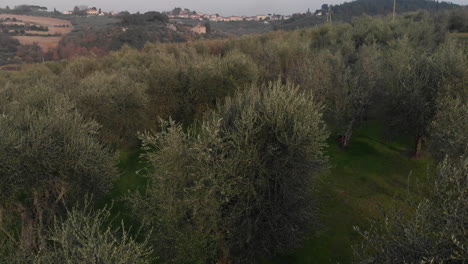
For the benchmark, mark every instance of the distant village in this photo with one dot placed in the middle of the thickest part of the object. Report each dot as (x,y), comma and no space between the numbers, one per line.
(179,13)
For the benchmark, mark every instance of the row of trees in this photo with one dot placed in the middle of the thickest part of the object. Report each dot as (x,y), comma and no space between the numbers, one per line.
(231,175)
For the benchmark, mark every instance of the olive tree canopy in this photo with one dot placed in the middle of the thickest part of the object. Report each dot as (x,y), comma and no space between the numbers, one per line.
(240,185)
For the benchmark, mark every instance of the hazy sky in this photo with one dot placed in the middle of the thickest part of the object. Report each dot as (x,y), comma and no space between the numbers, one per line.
(222,7)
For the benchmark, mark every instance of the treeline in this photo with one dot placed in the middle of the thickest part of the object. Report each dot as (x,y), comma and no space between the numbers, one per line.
(451,15)
(8,48)
(346,11)
(234,133)
(141,19)
(16,28)
(25,9)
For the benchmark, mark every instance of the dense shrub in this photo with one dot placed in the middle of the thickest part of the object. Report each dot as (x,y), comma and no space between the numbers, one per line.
(448,129)
(116,102)
(49,153)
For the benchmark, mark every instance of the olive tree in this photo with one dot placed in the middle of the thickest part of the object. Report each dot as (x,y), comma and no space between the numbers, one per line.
(48,153)
(346,89)
(116,102)
(240,185)
(448,129)
(415,80)
(361,86)
(435,232)
(84,236)
(185,85)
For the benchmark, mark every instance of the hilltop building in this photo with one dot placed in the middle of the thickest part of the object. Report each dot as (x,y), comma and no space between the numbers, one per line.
(199,29)
(92,12)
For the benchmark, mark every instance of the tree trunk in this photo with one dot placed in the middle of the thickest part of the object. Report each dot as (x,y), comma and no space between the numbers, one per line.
(349,133)
(38,213)
(27,238)
(418,150)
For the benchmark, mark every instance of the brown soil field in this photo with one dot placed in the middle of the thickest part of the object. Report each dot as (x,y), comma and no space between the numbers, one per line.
(54,24)
(45,43)
(38,32)
(43,21)
(60,30)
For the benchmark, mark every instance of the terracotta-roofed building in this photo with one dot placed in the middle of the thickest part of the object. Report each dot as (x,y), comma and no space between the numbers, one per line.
(92,12)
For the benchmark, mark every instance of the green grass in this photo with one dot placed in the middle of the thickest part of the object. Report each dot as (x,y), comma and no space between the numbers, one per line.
(131,179)
(370,175)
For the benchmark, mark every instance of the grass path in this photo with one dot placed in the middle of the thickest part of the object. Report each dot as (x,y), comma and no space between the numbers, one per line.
(131,179)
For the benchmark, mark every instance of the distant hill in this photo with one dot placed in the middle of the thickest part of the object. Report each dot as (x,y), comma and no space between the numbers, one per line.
(99,35)
(346,11)
(45,38)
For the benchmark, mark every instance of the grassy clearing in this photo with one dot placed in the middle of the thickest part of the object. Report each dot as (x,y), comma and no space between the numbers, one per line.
(369,176)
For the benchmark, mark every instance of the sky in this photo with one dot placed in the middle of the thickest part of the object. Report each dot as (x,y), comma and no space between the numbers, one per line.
(222,7)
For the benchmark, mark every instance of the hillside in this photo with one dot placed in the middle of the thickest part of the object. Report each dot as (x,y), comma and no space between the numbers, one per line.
(100,35)
(347,11)
(45,36)
(38,37)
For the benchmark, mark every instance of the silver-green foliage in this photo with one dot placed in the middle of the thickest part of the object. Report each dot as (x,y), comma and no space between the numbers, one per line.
(416,79)
(241,185)
(84,236)
(435,233)
(114,100)
(449,127)
(48,142)
(48,153)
